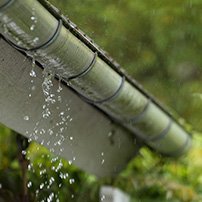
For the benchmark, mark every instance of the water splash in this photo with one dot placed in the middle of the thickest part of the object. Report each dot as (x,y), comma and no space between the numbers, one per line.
(52,101)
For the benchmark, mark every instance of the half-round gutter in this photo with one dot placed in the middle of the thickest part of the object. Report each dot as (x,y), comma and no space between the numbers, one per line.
(38,31)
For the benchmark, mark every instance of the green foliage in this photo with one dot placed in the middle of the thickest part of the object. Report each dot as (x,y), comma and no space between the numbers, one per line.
(45,174)
(159,43)
(148,177)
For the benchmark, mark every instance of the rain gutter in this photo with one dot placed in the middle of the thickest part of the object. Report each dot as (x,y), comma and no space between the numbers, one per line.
(54,41)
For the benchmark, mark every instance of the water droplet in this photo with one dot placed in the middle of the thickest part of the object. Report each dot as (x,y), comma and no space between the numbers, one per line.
(102,198)
(32,73)
(71,181)
(110,134)
(61,113)
(35,40)
(33,88)
(26,118)
(59,88)
(0,186)
(50,197)
(24,152)
(33,18)
(102,162)
(51,180)
(37,192)
(29,166)
(29,140)
(42,172)
(41,186)
(29,184)
(32,27)
(59,142)
(50,132)
(59,99)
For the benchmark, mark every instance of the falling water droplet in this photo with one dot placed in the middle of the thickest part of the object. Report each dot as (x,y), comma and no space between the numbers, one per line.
(102,198)
(51,181)
(26,118)
(33,88)
(30,166)
(41,186)
(59,86)
(71,181)
(110,134)
(29,184)
(24,152)
(50,197)
(35,40)
(33,18)
(102,162)
(32,73)
(32,27)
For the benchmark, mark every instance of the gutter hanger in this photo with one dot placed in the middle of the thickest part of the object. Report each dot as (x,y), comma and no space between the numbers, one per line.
(53,41)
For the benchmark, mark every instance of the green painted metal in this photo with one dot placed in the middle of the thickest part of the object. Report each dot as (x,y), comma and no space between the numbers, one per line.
(68,55)
(89,138)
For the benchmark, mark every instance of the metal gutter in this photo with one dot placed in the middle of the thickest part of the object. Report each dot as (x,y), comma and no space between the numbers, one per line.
(86,141)
(93,75)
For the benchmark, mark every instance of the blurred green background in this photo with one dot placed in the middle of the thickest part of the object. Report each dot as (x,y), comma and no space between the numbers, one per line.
(159,43)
